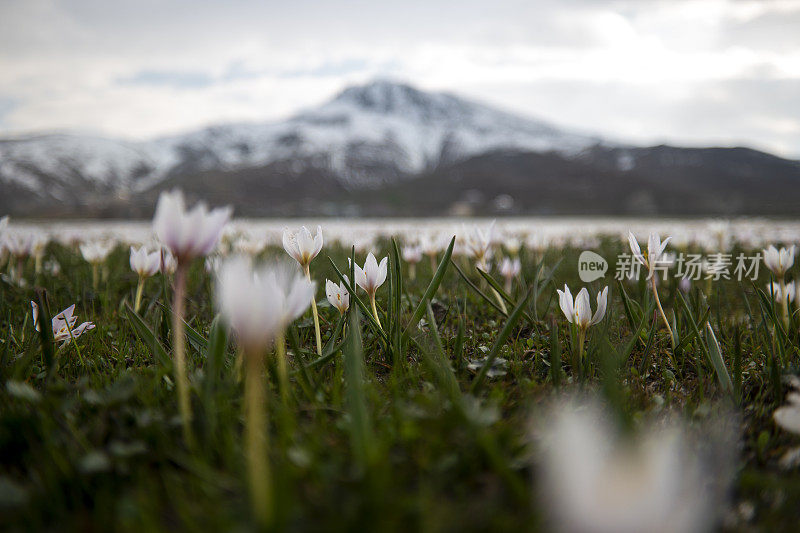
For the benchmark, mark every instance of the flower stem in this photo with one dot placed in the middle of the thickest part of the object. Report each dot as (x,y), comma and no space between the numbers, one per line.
(412,271)
(784,303)
(256,439)
(179,345)
(315,313)
(581,344)
(500,300)
(72,338)
(375,310)
(663,315)
(283,373)
(139,290)
(95,276)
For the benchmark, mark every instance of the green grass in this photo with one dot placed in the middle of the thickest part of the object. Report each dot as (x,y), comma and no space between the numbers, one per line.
(387,432)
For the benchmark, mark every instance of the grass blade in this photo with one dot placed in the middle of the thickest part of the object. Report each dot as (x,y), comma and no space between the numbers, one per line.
(478,291)
(432,287)
(510,324)
(355,393)
(555,354)
(149,339)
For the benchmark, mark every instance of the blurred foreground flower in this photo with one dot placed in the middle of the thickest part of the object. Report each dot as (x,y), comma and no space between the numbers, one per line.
(259,305)
(63,324)
(787,417)
(145,264)
(370,278)
(188,234)
(304,248)
(598,481)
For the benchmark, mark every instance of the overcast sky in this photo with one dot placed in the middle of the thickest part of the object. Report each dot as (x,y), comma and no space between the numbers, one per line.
(693,72)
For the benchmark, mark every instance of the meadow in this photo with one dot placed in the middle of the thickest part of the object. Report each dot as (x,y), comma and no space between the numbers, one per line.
(468,395)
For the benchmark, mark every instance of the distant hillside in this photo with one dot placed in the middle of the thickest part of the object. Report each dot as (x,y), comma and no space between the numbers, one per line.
(390,149)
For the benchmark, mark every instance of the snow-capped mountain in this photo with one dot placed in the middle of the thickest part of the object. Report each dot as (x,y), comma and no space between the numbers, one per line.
(372,149)
(367,136)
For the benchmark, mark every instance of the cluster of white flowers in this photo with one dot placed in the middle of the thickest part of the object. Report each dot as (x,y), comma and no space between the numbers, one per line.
(594,484)
(251,237)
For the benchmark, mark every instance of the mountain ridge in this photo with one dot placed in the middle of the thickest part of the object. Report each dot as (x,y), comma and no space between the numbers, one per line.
(374,137)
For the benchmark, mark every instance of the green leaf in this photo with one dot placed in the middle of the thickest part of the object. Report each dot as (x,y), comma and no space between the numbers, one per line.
(691,335)
(149,339)
(215,360)
(630,312)
(306,382)
(434,358)
(478,291)
(510,324)
(432,287)
(458,349)
(46,334)
(331,348)
(711,349)
(197,340)
(359,421)
(540,283)
(395,306)
(497,287)
(715,354)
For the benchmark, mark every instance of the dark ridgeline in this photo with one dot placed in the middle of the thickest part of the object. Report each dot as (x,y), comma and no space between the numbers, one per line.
(387,149)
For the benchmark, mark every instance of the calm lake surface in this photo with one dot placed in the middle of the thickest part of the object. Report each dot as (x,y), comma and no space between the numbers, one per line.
(535,230)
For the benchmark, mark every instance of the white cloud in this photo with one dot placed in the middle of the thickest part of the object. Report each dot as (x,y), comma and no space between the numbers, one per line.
(637,70)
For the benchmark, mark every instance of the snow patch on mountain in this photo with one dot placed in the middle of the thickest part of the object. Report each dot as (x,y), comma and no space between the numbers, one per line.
(366,135)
